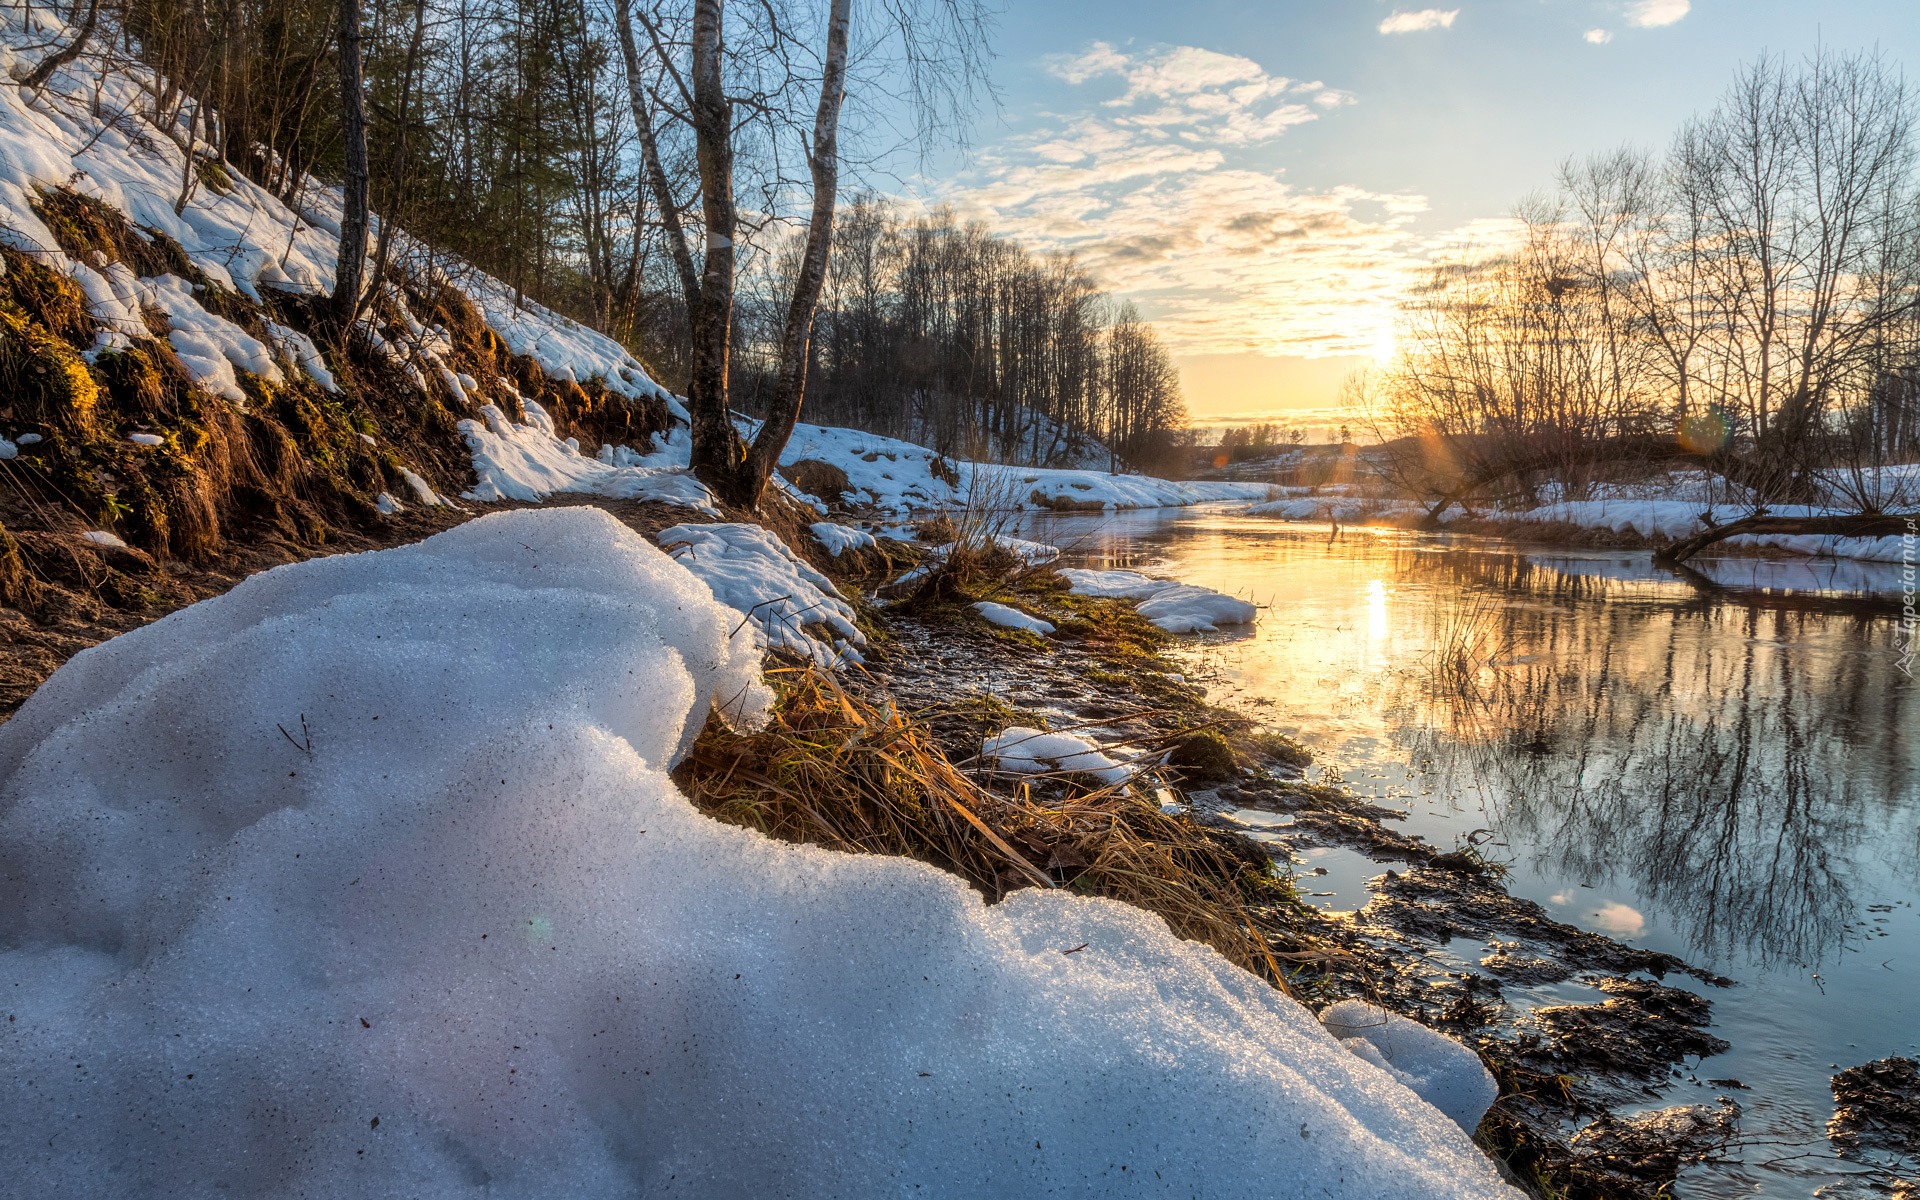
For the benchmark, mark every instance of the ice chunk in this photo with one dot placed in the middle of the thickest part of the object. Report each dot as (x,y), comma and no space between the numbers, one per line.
(1185,608)
(1036,752)
(1012,618)
(1113,585)
(1436,1068)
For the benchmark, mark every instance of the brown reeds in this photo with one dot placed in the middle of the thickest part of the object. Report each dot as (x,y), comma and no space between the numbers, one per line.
(834,770)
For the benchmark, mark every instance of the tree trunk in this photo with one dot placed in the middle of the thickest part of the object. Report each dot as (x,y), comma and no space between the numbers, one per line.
(53,62)
(350,268)
(796,341)
(1859,525)
(718,452)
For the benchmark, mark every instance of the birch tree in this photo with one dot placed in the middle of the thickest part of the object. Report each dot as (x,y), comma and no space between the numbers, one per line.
(736,469)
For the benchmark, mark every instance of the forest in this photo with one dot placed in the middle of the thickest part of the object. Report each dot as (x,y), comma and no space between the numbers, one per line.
(553,145)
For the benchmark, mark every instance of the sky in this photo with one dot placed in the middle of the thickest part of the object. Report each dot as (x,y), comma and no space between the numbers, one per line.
(1264,179)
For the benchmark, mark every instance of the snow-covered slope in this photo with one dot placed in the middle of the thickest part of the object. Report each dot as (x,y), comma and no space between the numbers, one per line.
(367,879)
(88,130)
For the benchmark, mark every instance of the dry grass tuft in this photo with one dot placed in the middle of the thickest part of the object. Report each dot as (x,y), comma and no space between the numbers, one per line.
(835,771)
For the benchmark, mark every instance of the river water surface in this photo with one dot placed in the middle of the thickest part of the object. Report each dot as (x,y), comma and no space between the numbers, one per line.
(1722,764)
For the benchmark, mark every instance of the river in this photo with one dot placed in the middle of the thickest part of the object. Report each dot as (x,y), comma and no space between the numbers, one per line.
(1722,763)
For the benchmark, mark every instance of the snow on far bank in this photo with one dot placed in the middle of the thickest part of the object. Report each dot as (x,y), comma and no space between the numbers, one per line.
(1648,510)
(754,573)
(1012,618)
(1024,751)
(454,932)
(1174,607)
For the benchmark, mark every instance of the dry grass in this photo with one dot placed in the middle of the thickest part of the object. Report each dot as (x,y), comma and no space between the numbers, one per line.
(835,771)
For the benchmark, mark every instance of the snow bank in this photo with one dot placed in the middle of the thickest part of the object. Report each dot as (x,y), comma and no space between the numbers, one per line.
(754,573)
(838,539)
(482,947)
(900,477)
(1174,607)
(1438,1069)
(1332,508)
(1012,618)
(1026,751)
(527,462)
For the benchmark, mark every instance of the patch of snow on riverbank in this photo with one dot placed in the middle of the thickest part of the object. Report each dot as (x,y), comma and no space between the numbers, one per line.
(838,539)
(1012,618)
(755,574)
(1174,607)
(1024,751)
(367,878)
(900,477)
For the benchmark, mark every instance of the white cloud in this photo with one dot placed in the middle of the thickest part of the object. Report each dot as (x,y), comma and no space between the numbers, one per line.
(1442,18)
(1100,59)
(1148,191)
(1649,14)
(1598,37)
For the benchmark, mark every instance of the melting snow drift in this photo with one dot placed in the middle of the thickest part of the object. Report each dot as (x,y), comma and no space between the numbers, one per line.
(1174,607)
(367,879)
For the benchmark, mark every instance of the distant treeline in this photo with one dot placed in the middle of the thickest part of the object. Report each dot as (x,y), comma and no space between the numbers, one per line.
(503,133)
(1753,291)
(940,332)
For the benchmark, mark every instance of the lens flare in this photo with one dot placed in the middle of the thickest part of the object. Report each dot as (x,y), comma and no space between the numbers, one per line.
(1705,433)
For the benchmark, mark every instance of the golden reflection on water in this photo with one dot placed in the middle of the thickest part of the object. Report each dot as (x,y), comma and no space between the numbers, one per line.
(1721,763)
(1740,762)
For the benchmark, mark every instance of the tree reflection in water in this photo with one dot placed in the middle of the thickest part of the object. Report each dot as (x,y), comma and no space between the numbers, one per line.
(1739,759)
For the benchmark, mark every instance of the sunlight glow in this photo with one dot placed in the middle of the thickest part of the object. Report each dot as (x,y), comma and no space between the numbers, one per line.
(1376,610)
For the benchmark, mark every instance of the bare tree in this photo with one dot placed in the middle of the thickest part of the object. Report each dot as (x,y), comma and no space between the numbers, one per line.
(350,267)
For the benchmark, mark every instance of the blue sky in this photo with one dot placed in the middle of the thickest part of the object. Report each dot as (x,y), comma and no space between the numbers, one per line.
(1262,178)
